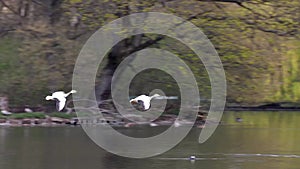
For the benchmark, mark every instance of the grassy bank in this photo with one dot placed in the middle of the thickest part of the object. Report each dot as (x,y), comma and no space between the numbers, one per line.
(37,115)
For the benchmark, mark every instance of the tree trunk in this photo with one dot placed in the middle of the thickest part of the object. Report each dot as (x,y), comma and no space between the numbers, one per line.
(3,103)
(115,57)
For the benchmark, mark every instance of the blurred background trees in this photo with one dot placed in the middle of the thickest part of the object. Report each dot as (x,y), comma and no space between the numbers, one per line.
(257,40)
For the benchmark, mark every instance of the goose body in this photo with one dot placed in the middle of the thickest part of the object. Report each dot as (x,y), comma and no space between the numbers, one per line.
(153,124)
(5,112)
(144,100)
(177,124)
(28,110)
(60,98)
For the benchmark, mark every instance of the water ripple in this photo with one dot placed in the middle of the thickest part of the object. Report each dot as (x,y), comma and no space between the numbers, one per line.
(222,156)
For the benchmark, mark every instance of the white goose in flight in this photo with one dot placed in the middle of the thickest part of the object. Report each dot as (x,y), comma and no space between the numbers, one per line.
(60,98)
(144,100)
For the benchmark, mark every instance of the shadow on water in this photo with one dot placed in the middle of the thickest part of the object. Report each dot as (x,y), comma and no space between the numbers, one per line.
(259,140)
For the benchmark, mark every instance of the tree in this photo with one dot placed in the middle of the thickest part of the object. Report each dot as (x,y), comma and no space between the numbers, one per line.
(245,33)
(225,22)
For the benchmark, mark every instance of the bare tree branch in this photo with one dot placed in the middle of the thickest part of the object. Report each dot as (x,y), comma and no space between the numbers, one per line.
(160,37)
(9,7)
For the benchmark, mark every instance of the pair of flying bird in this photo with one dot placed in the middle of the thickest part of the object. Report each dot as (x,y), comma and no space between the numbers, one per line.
(61,97)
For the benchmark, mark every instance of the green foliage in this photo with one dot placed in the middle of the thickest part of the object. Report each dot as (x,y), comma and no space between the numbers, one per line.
(34,115)
(290,88)
(259,48)
(75,1)
(3,116)
(10,71)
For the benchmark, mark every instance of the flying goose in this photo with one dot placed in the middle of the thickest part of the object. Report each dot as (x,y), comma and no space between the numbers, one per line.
(144,100)
(60,98)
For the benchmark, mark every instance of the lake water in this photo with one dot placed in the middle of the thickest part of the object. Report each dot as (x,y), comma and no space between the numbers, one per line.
(263,140)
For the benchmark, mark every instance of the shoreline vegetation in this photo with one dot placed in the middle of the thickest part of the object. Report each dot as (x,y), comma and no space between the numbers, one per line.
(63,119)
(38,119)
(284,106)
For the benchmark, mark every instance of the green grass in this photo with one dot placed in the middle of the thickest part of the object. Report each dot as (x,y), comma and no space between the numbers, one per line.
(62,115)
(2,116)
(37,115)
(34,115)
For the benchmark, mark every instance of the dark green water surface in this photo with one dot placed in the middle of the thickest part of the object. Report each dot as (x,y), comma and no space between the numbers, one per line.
(263,140)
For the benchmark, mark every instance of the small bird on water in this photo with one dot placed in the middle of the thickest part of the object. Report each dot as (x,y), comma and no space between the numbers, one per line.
(192,158)
(60,98)
(144,100)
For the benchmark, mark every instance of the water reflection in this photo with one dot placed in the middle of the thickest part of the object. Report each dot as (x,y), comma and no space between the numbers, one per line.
(260,140)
